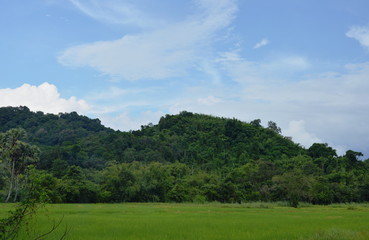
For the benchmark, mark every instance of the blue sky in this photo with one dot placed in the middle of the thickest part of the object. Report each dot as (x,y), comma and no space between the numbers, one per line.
(303,64)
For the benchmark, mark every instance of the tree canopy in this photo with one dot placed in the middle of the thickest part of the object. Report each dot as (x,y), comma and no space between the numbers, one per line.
(185,157)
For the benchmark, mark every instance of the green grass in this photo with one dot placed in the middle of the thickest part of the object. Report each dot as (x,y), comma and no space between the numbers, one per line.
(213,221)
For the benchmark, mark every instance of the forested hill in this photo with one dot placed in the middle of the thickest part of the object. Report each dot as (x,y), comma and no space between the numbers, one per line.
(198,140)
(185,157)
(49,129)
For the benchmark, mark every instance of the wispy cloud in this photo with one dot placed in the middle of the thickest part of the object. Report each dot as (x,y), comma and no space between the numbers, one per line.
(161,53)
(241,70)
(115,12)
(111,93)
(210,100)
(361,34)
(262,43)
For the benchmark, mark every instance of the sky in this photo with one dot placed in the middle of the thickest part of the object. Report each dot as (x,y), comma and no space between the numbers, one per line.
(302,64)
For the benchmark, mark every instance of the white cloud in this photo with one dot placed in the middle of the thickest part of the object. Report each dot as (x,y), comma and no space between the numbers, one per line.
(157,54)
(127,122)
(262,43)
(44,97)
(361,34)
(115,12)
(210,100)
(299,134)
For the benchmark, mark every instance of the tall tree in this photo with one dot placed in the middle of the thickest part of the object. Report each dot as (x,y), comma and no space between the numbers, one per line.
(16,155)
(273,126)
(318,150)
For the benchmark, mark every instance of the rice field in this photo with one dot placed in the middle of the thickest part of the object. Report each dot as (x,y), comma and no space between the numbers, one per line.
(213,221)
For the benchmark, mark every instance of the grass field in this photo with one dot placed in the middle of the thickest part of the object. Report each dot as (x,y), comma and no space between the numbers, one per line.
(157,221)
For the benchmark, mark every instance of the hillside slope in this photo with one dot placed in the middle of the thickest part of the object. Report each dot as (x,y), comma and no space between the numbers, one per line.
(195,139)
(185,157)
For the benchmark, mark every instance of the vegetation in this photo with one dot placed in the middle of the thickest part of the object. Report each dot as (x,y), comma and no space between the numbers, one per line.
(17,221)
(184,158)
(17,157)
(133,221)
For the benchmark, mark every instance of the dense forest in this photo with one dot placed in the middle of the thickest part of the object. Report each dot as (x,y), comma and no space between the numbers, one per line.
(184,158)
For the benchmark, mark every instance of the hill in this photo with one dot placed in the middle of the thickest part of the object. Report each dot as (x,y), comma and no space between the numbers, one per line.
(185,157)
(195,139)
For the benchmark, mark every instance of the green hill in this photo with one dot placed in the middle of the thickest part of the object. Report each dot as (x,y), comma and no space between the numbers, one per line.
(200,140)
(185,157)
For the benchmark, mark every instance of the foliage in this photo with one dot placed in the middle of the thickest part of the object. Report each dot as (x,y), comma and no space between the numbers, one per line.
(16,155)
(184,158)
(19,218)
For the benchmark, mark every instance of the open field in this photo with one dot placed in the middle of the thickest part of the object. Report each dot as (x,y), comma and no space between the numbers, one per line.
(157,221)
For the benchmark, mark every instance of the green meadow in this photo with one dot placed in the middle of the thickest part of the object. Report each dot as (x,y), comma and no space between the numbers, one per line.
(156,221)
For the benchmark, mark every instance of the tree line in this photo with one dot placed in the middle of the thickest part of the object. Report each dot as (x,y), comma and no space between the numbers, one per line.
(184,158)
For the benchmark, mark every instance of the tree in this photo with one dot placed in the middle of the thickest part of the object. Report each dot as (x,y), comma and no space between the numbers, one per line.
(273,126)
(318,150)
(76,188)
(17,155)
(256,123)
(353,156)
(120,182)
(294,185)
(20,217)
